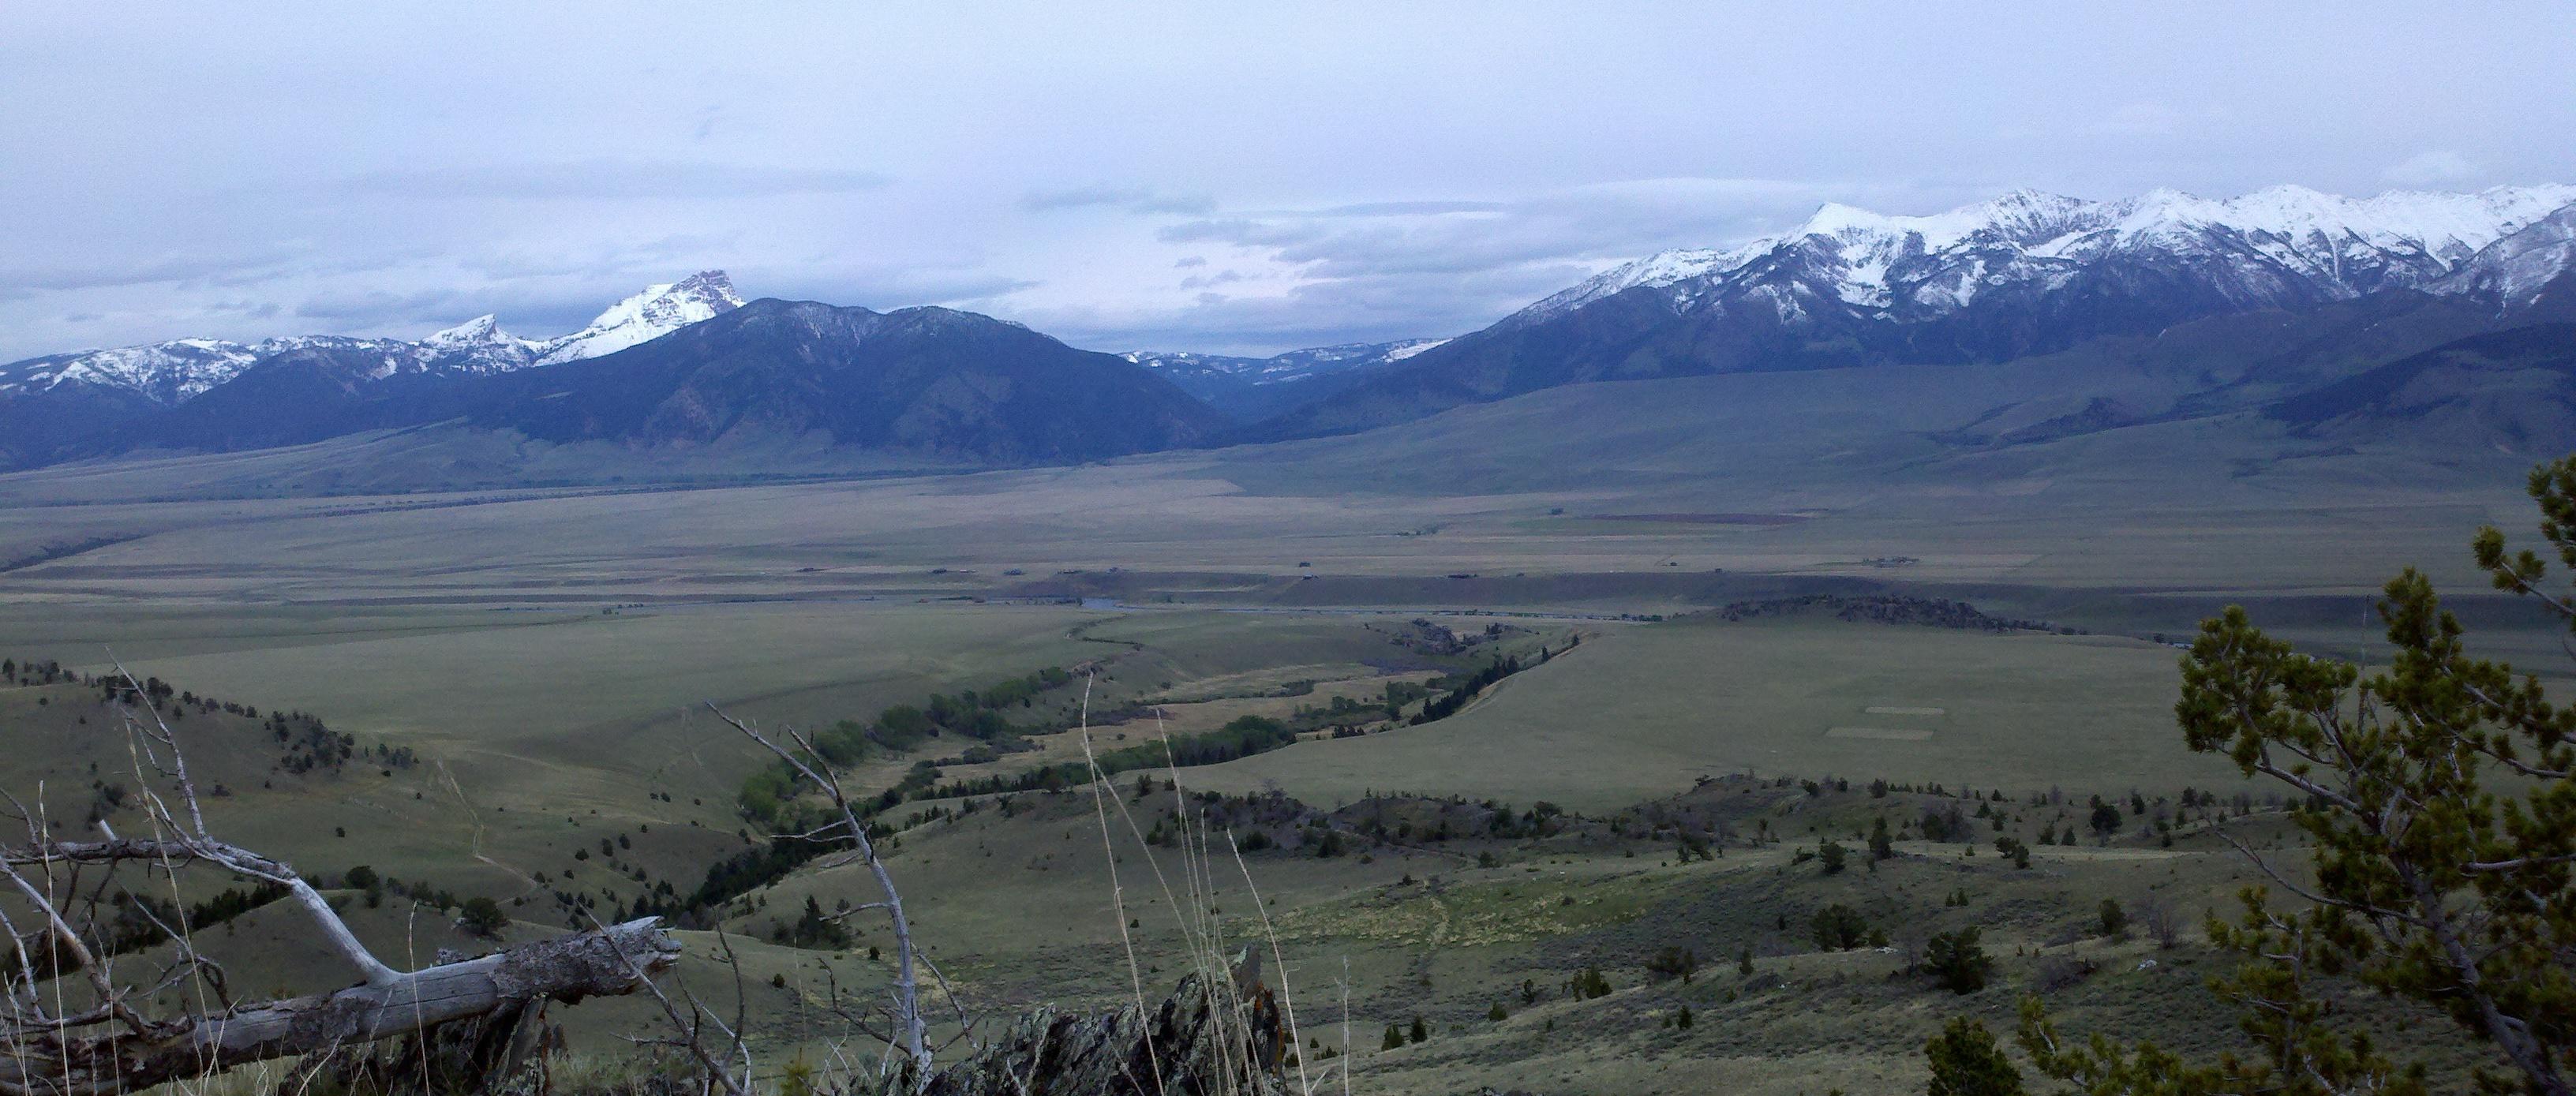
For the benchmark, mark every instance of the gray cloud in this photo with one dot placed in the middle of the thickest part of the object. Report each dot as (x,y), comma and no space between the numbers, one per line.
(1220,177)
(1141,200)
(1406,209)
(373,309)
(2441,167)
(603,180)
(150,269)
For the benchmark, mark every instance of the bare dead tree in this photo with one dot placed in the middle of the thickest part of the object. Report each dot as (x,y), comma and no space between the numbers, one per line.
(2155,913)
(910,1031)
(717,1067)
(102,1036)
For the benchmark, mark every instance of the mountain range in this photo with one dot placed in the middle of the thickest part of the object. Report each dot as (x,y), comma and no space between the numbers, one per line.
(2027,273)
(2305,307)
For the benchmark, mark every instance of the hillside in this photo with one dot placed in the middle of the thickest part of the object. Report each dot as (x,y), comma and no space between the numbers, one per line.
(2511,391)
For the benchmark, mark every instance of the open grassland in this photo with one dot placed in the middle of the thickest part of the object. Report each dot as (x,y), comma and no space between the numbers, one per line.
(1020,906)
(1026,905)
(1832,473)
(1648,708)
(538,736)
(567,753)
(538,651)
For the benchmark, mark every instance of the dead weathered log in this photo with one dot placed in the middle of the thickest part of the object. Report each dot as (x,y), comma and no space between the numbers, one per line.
(602,962)
(502,1051)
(1205,1040)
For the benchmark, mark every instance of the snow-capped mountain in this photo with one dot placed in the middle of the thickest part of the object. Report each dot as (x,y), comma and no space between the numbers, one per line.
(2512,271)
(161,372)
(172,373)
(2283,245)
(1253,388)
(649,315)
(2026,273)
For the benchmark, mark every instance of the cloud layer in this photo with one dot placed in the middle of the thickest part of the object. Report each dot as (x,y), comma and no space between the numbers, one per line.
(1233,178)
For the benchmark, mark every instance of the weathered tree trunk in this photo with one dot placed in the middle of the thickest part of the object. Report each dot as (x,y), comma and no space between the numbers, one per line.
(602,962)
(501,1051)
(1203,1041)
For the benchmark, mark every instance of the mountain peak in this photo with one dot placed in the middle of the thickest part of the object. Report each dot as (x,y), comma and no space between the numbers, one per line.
(651,314)
(709,285)
(480,330)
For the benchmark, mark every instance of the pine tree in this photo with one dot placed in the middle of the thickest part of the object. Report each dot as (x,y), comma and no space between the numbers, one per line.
(1966,1062)
(1957,961)
(2114,919)
(2433,879)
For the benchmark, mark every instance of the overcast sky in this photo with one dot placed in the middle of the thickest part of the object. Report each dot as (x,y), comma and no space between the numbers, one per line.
(1226,177)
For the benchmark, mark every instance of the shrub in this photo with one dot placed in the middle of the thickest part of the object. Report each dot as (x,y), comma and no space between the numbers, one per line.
(1673,962)
(2114,919)
(2012,847)
(1588,984)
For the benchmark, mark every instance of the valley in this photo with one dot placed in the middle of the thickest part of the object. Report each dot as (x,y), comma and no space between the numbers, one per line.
(1727,673)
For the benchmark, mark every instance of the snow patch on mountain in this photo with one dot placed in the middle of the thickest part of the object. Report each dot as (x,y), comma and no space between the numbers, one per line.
(1293,366)
(162,372)
(651,314)
(2272,246)
(2513,270)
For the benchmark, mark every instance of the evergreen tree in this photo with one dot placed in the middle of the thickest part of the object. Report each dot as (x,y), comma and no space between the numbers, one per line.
(482,917)
(1838,928)
(2433,878)
(2106,821)
(1957,961)
(1966,1062)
